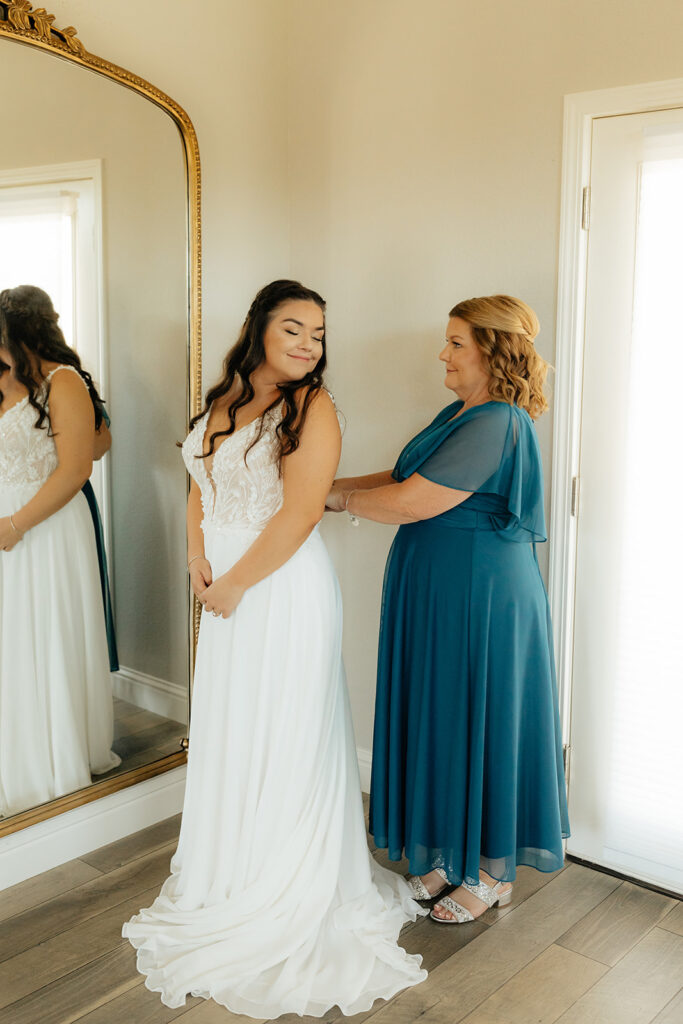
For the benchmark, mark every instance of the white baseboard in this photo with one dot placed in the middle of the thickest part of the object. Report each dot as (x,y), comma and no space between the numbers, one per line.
(153,694)
(365,768)
(43,846)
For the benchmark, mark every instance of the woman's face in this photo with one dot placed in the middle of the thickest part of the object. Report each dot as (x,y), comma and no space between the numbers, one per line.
(465,370)
(293,340)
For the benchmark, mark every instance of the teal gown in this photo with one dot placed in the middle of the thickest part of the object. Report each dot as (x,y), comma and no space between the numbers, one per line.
(467,757)
(102,560)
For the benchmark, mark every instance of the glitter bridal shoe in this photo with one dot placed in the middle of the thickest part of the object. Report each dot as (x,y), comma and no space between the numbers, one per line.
(420,890)
(491,895)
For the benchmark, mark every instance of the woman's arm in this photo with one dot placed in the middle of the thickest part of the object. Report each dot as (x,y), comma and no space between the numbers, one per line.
(102,442)
(73,425)
(307,476)
(201,576)
(410,501)
(356,483)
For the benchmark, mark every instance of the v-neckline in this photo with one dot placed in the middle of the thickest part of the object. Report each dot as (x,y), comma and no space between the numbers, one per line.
(208,469)
(460,412)
(46,379)
(15,406)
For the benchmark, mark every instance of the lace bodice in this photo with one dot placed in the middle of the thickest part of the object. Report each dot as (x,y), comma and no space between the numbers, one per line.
(27,456)
(237,494)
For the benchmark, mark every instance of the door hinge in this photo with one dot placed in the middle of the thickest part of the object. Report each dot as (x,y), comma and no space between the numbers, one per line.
(586,208)
(575,496)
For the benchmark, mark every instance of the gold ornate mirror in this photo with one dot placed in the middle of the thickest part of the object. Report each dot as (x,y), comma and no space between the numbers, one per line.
(100,207)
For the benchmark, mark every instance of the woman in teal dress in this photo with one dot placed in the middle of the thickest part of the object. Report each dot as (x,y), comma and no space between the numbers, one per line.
(467,773)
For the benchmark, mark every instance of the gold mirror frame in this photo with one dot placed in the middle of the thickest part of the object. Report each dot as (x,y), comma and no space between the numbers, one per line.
(21,24)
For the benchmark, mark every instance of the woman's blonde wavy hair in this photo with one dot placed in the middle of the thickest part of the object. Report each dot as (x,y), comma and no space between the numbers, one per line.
(504,329)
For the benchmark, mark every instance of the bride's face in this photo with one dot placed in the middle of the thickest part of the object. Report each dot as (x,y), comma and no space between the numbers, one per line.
(293,340)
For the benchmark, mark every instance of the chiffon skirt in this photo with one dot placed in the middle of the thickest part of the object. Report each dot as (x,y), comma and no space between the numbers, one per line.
(56,711)
(467,757)
(274,904)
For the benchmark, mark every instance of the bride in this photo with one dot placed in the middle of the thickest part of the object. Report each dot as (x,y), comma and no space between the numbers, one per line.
(56,720)
(274,904)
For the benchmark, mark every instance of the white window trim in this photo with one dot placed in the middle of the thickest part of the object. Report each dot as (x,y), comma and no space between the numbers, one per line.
(63,174)
(580,109)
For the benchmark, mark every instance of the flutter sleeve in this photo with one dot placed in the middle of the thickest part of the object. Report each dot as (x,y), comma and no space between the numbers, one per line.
(494,451)
(471,454)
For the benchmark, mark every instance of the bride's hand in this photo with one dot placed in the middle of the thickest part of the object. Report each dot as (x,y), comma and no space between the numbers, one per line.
(201,576)
(9,537)
(336,499)
(222,597)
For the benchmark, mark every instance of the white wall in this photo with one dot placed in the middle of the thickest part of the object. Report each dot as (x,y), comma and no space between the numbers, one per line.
(424,166)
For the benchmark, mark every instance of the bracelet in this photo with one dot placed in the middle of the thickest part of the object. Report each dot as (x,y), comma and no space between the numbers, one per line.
(14,527)
(354,519)
(193,558)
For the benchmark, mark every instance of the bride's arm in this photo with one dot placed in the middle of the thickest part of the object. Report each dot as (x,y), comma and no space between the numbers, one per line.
(73,425)
(197,563)
(307,476)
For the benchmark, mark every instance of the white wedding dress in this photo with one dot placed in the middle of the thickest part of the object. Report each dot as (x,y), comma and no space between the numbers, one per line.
(56,711)
(274,904)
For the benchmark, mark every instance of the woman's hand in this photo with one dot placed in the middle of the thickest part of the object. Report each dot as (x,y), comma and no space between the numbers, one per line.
(102,442)
(201,576)
(222,597)
(336,499)
(9,537)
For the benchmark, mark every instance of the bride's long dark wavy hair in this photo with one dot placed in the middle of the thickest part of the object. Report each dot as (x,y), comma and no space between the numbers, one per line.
(29,331)
(248,353)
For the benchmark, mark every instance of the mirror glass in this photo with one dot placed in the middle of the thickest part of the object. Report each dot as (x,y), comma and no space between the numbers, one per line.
(93,210)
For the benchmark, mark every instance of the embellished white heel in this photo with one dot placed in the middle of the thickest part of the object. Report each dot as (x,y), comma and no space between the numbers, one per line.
(420,890)
(490,895)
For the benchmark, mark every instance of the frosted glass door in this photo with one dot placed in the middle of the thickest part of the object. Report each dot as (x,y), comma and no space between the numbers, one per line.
(626,768)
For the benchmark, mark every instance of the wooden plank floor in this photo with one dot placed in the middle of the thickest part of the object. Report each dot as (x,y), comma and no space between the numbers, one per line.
(574,947)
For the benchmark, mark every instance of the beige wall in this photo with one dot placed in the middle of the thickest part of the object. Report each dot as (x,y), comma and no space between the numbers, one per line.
(425,158)
(397,156)
(224,62)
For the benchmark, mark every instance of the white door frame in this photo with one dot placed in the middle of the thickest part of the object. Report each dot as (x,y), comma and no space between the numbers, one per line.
(580,109)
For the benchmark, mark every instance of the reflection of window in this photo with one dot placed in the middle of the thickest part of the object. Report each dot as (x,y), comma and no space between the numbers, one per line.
(37,244)
(51,236)
(50,232)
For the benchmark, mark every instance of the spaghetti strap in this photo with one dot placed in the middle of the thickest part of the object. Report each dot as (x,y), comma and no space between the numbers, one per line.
(62,366)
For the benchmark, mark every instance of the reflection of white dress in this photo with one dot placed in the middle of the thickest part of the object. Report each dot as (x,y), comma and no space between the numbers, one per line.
(56,715)
(274,904)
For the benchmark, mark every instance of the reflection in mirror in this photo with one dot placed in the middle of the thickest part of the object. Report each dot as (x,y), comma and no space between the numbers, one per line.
(94,661)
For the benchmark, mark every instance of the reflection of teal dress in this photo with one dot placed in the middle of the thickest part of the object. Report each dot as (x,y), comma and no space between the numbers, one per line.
(467,756)
(104,575)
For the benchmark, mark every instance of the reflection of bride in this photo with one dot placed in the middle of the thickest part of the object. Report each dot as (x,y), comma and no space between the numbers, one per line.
(56,715)
(274,904)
